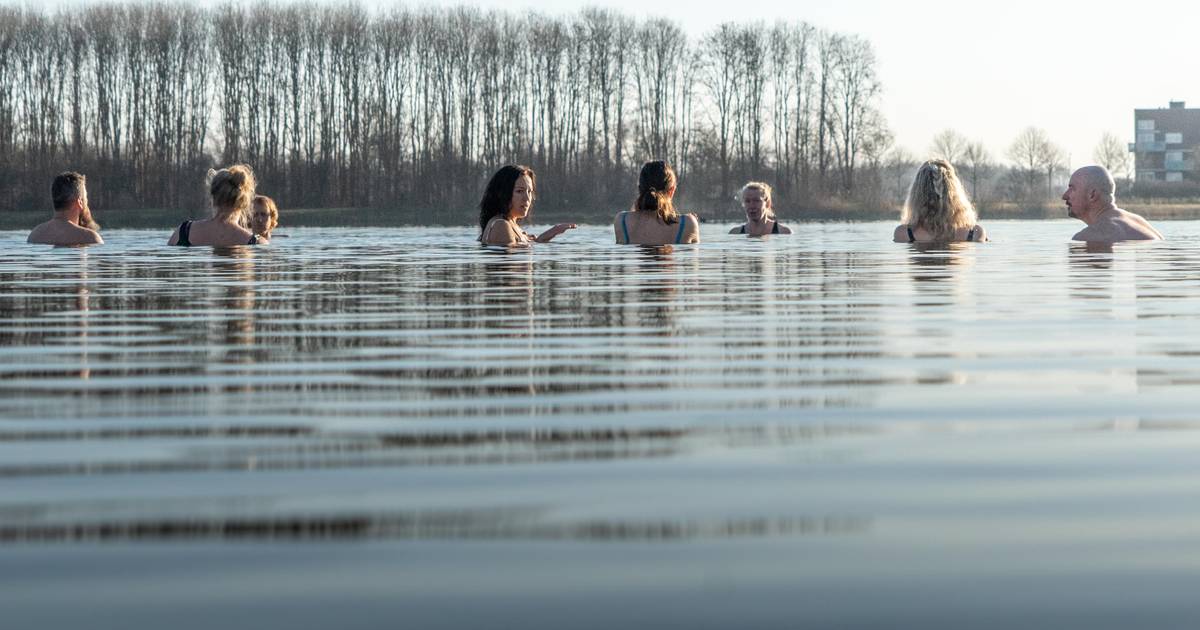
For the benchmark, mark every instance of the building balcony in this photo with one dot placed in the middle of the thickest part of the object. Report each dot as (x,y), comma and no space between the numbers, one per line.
(1150,147)
(1184,165)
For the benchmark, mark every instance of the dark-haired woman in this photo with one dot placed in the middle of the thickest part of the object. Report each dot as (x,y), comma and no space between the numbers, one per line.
(507,200)
(653,219)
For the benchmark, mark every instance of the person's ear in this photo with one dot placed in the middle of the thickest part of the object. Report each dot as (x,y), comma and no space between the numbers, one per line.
(671,192)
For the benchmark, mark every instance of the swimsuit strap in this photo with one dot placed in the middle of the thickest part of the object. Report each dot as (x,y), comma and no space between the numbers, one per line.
(625,227)
(253,239)
(775,229)
(184,229)
(743,229)
(682,225)
(971,233)
(911,237)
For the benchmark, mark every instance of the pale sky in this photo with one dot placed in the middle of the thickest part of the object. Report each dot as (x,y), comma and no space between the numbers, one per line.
(988,70)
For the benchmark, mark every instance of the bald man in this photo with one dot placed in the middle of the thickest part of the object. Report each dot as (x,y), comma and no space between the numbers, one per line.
(1092,198)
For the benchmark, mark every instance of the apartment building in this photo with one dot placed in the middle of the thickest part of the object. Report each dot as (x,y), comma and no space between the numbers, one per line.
(1168,144)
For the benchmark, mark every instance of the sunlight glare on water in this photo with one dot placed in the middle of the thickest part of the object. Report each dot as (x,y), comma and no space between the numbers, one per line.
(828,428)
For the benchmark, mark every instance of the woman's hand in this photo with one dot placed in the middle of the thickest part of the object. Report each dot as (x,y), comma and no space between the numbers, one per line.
(555,231)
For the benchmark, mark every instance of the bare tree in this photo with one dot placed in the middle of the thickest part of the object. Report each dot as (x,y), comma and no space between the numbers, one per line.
(949,145)
(976,166)
(1113,155)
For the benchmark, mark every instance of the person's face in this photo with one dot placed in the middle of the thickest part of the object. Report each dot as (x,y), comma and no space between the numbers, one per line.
(1076,197)
(756,204)
(522,198)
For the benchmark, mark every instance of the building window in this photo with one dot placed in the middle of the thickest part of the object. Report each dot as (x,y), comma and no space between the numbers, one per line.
(1174,138)
(1174,176)
(1145,125)
(1146,137)
(1174,156)
(1146,176)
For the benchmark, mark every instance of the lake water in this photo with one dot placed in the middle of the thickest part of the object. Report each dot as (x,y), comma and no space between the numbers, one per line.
(398,428)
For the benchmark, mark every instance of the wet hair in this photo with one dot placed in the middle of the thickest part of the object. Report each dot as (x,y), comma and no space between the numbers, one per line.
(67,187)
(497,197)
(768,211)
(655,180)
(264,222)
(937,201)
(232,191)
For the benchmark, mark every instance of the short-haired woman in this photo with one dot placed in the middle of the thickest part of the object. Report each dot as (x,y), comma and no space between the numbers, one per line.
(760,212)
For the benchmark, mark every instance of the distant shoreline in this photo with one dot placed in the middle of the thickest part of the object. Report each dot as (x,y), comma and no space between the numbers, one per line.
(167,220)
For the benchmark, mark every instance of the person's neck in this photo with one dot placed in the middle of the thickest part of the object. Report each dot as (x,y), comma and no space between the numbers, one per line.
(70,216)
(763,221)
(1094,215)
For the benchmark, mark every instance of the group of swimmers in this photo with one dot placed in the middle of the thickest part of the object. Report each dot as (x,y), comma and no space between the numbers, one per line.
(240,216)
(937,210)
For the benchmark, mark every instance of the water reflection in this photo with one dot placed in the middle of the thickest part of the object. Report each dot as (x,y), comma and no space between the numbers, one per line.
(463,524)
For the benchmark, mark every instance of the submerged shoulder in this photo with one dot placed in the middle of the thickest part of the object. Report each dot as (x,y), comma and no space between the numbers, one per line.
(900,234)
(500,232)
(783,229)
(737,229)
(978,234)
(89,236)
(38,235)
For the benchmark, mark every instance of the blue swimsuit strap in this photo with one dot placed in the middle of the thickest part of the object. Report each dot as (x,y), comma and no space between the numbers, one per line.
(624,227)
(911,237)
(682,225)
(971,233)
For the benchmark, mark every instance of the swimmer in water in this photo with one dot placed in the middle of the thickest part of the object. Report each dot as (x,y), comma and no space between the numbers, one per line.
(72,223)
(507,201)
(232,191)
(937,209)
(264,217)
(1092,198)
(653,219)
(760,212)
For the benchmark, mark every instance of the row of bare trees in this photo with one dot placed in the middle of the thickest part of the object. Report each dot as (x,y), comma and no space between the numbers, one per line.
(412,108)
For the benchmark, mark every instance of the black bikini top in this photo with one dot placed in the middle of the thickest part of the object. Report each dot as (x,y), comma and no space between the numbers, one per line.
(970,234)
(185,228)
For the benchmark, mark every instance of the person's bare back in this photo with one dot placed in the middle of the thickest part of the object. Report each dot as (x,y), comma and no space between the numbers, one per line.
(59,232)
(1115,225)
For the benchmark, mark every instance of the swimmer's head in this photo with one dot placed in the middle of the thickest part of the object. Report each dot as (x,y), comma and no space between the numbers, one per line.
(656,190)
(937,201)
(1090,188)
(232,191)
(265,215)
(509,193)
(68,189)
(756,201)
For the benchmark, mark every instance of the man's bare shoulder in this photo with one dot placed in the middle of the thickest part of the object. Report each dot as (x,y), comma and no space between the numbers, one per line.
(60,233)
(1137,227)
(40,235)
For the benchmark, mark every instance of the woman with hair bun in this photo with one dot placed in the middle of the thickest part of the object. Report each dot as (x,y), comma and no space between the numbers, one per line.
(506,201)
(760,212)
(937,209)
(653,219)
(232,191)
